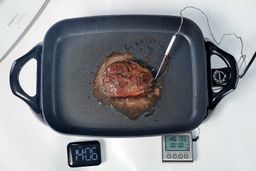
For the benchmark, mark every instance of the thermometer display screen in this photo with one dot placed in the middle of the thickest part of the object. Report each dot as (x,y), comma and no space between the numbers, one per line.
(177,143)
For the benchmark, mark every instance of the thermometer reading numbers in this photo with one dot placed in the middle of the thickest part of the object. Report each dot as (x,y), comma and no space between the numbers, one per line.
(177,147)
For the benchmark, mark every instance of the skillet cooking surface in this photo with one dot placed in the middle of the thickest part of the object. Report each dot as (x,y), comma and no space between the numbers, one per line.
(74,49)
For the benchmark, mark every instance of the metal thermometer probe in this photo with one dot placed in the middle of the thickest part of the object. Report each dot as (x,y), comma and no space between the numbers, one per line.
(166,54)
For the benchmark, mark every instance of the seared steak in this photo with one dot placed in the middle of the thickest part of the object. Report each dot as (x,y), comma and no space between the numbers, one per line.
(126,79)
(126,85)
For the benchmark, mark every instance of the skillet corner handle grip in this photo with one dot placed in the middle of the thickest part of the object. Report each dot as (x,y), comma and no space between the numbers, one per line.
(32,101)
(230,74)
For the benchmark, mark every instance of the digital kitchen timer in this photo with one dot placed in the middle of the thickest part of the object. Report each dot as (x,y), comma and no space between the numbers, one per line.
(84,153)
(177,147)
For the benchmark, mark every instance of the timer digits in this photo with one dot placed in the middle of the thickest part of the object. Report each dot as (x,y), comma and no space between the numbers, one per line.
(84,153)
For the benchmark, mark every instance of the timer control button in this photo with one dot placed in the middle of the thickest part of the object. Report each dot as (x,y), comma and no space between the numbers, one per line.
(174,156)
(169,156)
(180,156)
(186,156)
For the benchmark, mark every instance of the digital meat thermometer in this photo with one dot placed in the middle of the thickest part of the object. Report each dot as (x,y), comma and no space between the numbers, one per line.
(177,147)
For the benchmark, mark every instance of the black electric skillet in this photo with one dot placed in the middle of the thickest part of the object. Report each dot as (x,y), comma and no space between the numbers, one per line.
(73,49)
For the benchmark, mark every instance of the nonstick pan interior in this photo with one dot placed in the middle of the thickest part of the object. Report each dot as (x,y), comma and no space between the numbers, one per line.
(77,58)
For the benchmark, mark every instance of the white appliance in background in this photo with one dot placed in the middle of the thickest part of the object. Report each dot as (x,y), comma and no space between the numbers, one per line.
(16,17)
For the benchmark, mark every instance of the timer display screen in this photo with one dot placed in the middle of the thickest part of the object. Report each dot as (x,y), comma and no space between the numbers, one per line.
(84,153)
(177,143)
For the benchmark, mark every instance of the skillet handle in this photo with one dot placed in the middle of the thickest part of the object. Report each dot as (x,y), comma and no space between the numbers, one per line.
(32,101)
(226,78)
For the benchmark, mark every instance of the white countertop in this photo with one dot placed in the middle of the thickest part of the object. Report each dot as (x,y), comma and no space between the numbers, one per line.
(227,140)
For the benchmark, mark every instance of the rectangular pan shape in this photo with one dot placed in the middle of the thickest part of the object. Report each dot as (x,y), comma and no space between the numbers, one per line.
(74,49)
